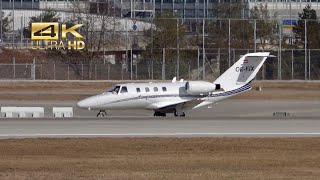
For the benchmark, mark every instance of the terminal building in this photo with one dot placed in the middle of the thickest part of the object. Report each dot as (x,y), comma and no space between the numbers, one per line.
(184,8)
(144,11)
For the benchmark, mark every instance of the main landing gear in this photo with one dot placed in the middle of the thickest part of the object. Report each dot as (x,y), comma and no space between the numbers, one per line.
(178,111)
(179,114)
(102,113)
(176,114)
(159,114)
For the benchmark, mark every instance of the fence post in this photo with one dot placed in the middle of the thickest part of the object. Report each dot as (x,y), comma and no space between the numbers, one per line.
(233,56)
(292,57)
(131,59)
(109,71)
(149,71)
(198,74)
(33,69)
(41,70)
(219,58)
(82,71)
(150,65)
(278,63)
(280,49)
(21,32)
(1,42)
(178,51)
(229,44)
(95,71)
(13,17)
(121,71)
(309,70)
(14,67)
(305,49)
(137,67)
(152,68)
(68,72)
(255,35)
(54,71)
(189,70)
(163,64)
(203,52)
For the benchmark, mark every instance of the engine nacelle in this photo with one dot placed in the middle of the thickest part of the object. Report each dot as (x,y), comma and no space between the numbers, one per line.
(201,87)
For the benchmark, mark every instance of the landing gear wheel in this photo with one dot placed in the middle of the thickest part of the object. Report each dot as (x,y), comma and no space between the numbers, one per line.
(102,113)
(179,115)
(159,114)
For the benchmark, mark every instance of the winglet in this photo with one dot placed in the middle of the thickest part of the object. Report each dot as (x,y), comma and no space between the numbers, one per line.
(174,79)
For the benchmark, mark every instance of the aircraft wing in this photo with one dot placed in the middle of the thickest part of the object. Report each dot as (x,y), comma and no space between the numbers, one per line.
(184,104)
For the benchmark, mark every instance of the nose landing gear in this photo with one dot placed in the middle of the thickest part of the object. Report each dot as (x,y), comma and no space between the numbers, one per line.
(102,113)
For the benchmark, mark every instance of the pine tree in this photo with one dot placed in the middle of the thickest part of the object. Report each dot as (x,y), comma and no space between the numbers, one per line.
(313,29)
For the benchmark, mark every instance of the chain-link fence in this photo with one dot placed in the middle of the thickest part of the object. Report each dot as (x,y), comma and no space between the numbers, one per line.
(61,71)
(290,64)
(190,48)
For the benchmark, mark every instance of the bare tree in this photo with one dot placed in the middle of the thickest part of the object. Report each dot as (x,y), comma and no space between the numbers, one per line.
(309,16)
(232,9)
(167,32)
(265,25)
(98,32)
(241,34)
(241,30)
(5,22)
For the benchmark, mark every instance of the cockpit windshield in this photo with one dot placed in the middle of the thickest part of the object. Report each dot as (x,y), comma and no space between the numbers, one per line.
(114,89)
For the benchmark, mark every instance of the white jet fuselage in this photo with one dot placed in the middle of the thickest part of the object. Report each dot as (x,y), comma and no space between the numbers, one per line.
(153,96)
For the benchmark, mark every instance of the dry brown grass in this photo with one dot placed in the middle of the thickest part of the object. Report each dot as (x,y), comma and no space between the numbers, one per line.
(281,94)
(72,86)
(160,158)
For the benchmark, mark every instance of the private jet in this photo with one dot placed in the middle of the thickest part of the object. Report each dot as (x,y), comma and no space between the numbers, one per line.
(177,97)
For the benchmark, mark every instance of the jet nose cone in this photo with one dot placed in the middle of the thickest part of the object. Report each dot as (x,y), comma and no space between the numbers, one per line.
(91,102)
(83,104)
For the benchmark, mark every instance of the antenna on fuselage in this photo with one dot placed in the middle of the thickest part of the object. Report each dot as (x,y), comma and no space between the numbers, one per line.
(174,79)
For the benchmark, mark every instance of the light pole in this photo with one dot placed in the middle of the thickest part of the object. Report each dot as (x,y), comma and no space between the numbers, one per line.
(1,22)
(13,23)
(291,34)
(203,51)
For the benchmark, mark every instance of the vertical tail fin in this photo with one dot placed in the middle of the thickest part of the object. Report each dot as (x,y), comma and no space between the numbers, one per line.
(243,71)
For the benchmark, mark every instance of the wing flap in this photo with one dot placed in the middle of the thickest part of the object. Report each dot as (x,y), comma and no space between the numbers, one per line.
(185,104)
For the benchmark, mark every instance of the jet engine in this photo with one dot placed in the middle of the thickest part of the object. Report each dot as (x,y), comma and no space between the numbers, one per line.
(201,87)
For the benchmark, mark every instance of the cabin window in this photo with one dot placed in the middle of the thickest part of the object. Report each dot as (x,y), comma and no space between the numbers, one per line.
(147,89)
(124,89)
(164,89)
(155,89)
(138,90)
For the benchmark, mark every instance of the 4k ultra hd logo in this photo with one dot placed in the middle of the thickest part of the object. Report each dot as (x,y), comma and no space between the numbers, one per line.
(46,36)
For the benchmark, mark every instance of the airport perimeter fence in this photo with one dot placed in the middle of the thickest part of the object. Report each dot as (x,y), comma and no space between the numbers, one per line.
(289,65)
(189,48)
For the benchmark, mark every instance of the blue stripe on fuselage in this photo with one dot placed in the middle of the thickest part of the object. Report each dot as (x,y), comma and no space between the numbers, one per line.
(227,93)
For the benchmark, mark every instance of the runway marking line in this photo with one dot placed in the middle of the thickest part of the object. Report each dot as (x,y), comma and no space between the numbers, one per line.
(149,134)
